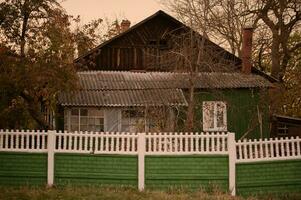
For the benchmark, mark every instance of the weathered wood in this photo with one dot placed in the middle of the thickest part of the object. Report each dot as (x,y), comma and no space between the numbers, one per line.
(145,47)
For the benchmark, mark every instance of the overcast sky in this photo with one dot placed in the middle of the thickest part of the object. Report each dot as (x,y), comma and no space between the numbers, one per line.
(134,10)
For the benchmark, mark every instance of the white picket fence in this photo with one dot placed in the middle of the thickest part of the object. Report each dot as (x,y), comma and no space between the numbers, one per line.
(23,141)
(268,149)
(115,143)
(142,144)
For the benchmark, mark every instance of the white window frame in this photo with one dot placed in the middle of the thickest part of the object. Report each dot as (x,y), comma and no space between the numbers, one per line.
(69,118)
(215,127)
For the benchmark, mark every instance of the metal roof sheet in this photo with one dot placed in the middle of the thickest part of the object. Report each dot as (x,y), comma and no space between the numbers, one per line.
(112,80)
(150,97)
(109,88)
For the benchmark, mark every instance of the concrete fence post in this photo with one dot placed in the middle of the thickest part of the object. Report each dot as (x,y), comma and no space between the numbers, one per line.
(232,163)
(141,156)
(50,162)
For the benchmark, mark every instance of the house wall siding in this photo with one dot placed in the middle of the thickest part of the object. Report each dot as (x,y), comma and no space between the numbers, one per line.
(240,102)
(23,169)
(186,171)
(242,112)
(268,177)
(80,169)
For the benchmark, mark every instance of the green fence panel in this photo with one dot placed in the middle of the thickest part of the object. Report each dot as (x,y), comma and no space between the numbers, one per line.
(186,171)
(268,177)
(23,169)
(81,169)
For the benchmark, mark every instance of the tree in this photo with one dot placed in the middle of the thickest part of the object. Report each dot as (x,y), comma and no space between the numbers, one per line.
(37,55)
(222,21)
(282,17)
(289,102)
(219,20)
(87,36)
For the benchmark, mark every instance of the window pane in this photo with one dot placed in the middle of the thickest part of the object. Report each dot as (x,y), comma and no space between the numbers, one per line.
(96,112)
(83,120)
(99,128)
(125,114)
(84,128)
(208,115)
(221,111)
(91,121)
(133,120)
(74,112)
(132,113)
(83,112)
(74,127)
(99,121)
(125,128)
(74,120)
(91,127)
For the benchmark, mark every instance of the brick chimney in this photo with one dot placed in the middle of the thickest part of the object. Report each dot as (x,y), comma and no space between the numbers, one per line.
(247,50)
(125,25)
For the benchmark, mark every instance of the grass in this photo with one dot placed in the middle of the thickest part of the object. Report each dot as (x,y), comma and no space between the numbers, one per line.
(124,193)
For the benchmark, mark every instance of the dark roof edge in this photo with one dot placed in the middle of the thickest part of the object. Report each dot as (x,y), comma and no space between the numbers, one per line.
(288,117)
(265,75)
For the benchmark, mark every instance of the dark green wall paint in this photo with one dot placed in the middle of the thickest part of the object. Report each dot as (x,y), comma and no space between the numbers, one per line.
(268,177)
(242,113)
(23,168)
(186,171)
(80,169)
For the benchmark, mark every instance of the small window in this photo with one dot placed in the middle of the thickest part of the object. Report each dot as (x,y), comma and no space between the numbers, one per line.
(132,120)
(163,42)
(152,42)
(282,129)
(86,119)
(214,116)
(74,112)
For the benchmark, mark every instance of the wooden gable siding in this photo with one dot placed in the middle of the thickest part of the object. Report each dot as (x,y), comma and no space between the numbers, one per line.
(133,50)
(148,47)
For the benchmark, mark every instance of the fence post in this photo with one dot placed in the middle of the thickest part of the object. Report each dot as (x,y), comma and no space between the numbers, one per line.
(50,163)
(232,163)
(141,155)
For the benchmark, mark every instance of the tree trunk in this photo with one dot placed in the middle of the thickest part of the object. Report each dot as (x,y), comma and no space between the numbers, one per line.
(33,109)
(275,55)
(190,110)
(24,28)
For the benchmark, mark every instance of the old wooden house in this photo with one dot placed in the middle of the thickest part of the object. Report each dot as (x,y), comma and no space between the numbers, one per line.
(147,77)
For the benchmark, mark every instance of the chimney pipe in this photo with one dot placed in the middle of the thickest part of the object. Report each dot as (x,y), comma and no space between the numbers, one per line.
(125,25)
(247,50)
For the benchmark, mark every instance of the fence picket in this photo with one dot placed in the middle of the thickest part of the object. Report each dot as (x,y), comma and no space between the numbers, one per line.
(156,144)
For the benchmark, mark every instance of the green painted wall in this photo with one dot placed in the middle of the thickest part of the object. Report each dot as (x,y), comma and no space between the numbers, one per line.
(23,168)
(242,113)
(80,169)
(188,171)
(268,177)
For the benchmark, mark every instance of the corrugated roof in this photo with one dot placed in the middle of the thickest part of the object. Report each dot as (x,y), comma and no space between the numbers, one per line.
(150,97)
(108,88)
(110,80)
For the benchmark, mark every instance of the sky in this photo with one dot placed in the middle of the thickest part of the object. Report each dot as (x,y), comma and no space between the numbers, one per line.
(133,10)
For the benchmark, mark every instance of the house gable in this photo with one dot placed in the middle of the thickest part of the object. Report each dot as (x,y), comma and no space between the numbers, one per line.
(147,46)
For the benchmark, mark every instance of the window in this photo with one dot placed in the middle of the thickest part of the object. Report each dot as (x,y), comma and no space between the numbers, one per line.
(86,119)
(161,43)
(132,121)
(282,129)
(214,116)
